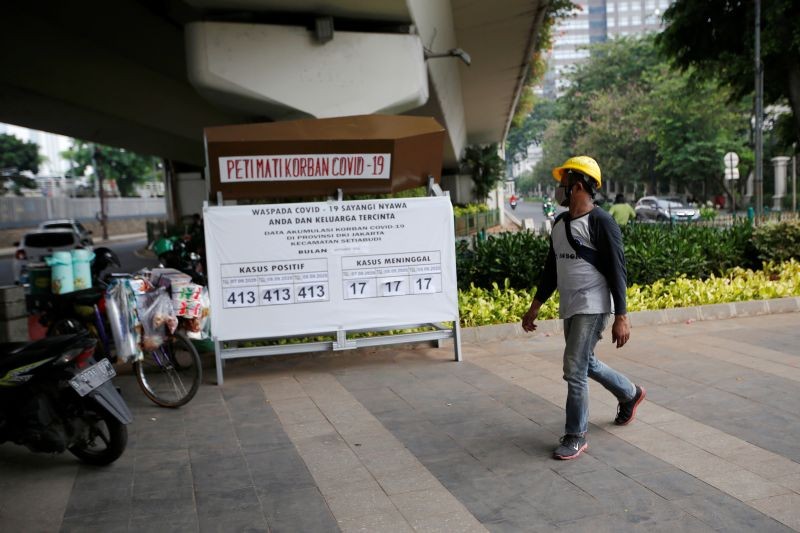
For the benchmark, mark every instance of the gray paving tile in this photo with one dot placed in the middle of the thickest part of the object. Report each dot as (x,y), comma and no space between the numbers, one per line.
(622,456)
(640,506)
(173,522)
(220,472)
(160,505)
(599,482)
(299,510)
(261,438)
(674,484)
(251,521)
(725,513)
(113,522)
(560,501)
(279,470)
(177,480)
(222,502)
(96,501)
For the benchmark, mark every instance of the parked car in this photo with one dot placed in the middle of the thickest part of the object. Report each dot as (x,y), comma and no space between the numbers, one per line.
(68,223)
(659,209)
(36,245)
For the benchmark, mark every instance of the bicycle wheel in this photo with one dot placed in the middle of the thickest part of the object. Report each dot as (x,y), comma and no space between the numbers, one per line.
(170,375)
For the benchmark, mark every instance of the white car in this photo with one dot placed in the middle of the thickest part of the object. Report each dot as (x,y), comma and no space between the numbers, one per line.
(36,245)
(68,223)
(658,209)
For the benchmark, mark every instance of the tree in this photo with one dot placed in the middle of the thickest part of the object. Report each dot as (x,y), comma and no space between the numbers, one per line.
(555,150)
(526,183)
(693,125)
(646,122)
(485,166)
(16,157)
(619,64)
(716,39)
(127,168)
(617,131)
(532,128)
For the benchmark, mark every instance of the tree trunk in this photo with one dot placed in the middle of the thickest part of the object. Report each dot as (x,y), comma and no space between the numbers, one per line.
(793,76)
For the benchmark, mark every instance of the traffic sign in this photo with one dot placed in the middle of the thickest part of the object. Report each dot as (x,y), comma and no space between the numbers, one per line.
(731,160)
(731,173)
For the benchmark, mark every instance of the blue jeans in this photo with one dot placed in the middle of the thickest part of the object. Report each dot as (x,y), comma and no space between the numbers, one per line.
(582,332)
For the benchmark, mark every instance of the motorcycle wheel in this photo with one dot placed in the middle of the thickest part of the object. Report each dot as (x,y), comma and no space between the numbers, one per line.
(108,439)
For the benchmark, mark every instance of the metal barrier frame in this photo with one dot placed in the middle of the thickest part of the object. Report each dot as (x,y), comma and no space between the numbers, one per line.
(439,334)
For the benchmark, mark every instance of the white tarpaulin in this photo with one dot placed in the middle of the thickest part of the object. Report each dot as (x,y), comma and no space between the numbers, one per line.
(297,269)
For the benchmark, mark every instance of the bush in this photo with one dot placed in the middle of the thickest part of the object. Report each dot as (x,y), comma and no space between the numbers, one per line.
(652,251)
(516,257)
(777,241)
(479,307)
(708,213)
(658,251)
(469,209)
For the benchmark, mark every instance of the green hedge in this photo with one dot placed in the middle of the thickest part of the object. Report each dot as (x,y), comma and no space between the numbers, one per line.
(659,251)
(480,307)
(652,251)
(778,241)
(518,257)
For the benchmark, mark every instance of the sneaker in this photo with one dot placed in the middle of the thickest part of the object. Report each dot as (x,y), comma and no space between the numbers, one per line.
(626,411)
(571,447)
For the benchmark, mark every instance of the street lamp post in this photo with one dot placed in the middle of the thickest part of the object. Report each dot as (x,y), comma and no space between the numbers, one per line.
(96,155)
(759,111)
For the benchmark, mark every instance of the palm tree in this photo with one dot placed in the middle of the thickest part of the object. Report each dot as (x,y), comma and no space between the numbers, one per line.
(485,166)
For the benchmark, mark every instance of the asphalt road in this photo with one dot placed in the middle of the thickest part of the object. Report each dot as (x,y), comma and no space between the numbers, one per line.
(124,249)
(529,209)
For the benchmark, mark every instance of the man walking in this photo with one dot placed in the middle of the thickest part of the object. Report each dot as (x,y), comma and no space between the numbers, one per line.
(586,263)
(622,211)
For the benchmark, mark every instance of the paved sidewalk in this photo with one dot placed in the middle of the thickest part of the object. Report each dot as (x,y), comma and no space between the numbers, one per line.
(407,440)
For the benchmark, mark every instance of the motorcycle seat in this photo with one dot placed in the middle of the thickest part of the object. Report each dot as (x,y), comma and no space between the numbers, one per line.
(16,354)
(88,296)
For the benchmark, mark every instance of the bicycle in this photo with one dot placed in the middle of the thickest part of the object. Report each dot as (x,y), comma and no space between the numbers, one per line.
(168,375)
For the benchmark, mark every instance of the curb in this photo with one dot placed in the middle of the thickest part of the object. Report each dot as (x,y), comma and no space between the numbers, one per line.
(657,317)
(514,220)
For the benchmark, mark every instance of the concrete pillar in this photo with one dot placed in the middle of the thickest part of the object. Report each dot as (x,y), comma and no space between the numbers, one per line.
(779,166)
(748,191)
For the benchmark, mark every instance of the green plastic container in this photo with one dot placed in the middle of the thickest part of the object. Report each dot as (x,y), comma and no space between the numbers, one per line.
(61,280)
(39,278)
(82,269)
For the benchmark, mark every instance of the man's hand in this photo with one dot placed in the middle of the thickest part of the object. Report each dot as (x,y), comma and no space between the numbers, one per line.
(621,330)
(528,321)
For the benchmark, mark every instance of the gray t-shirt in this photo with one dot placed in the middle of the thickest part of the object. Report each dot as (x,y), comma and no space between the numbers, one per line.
(583,290)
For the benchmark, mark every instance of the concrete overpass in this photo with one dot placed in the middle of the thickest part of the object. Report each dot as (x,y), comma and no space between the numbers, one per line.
(148,75)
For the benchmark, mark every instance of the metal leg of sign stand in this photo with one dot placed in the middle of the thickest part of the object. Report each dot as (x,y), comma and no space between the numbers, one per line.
(433,188)
(218,360)
(457,340)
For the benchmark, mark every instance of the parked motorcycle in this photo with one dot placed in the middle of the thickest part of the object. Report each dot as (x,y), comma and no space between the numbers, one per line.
(175,252)
(54,396)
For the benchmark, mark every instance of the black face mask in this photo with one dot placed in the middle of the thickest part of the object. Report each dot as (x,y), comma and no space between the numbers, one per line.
(563,194)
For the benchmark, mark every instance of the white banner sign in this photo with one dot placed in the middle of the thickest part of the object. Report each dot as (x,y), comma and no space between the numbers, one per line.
(299,167)
(297,269)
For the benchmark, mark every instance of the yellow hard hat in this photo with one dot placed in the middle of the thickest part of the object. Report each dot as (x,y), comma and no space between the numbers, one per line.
(583,164)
